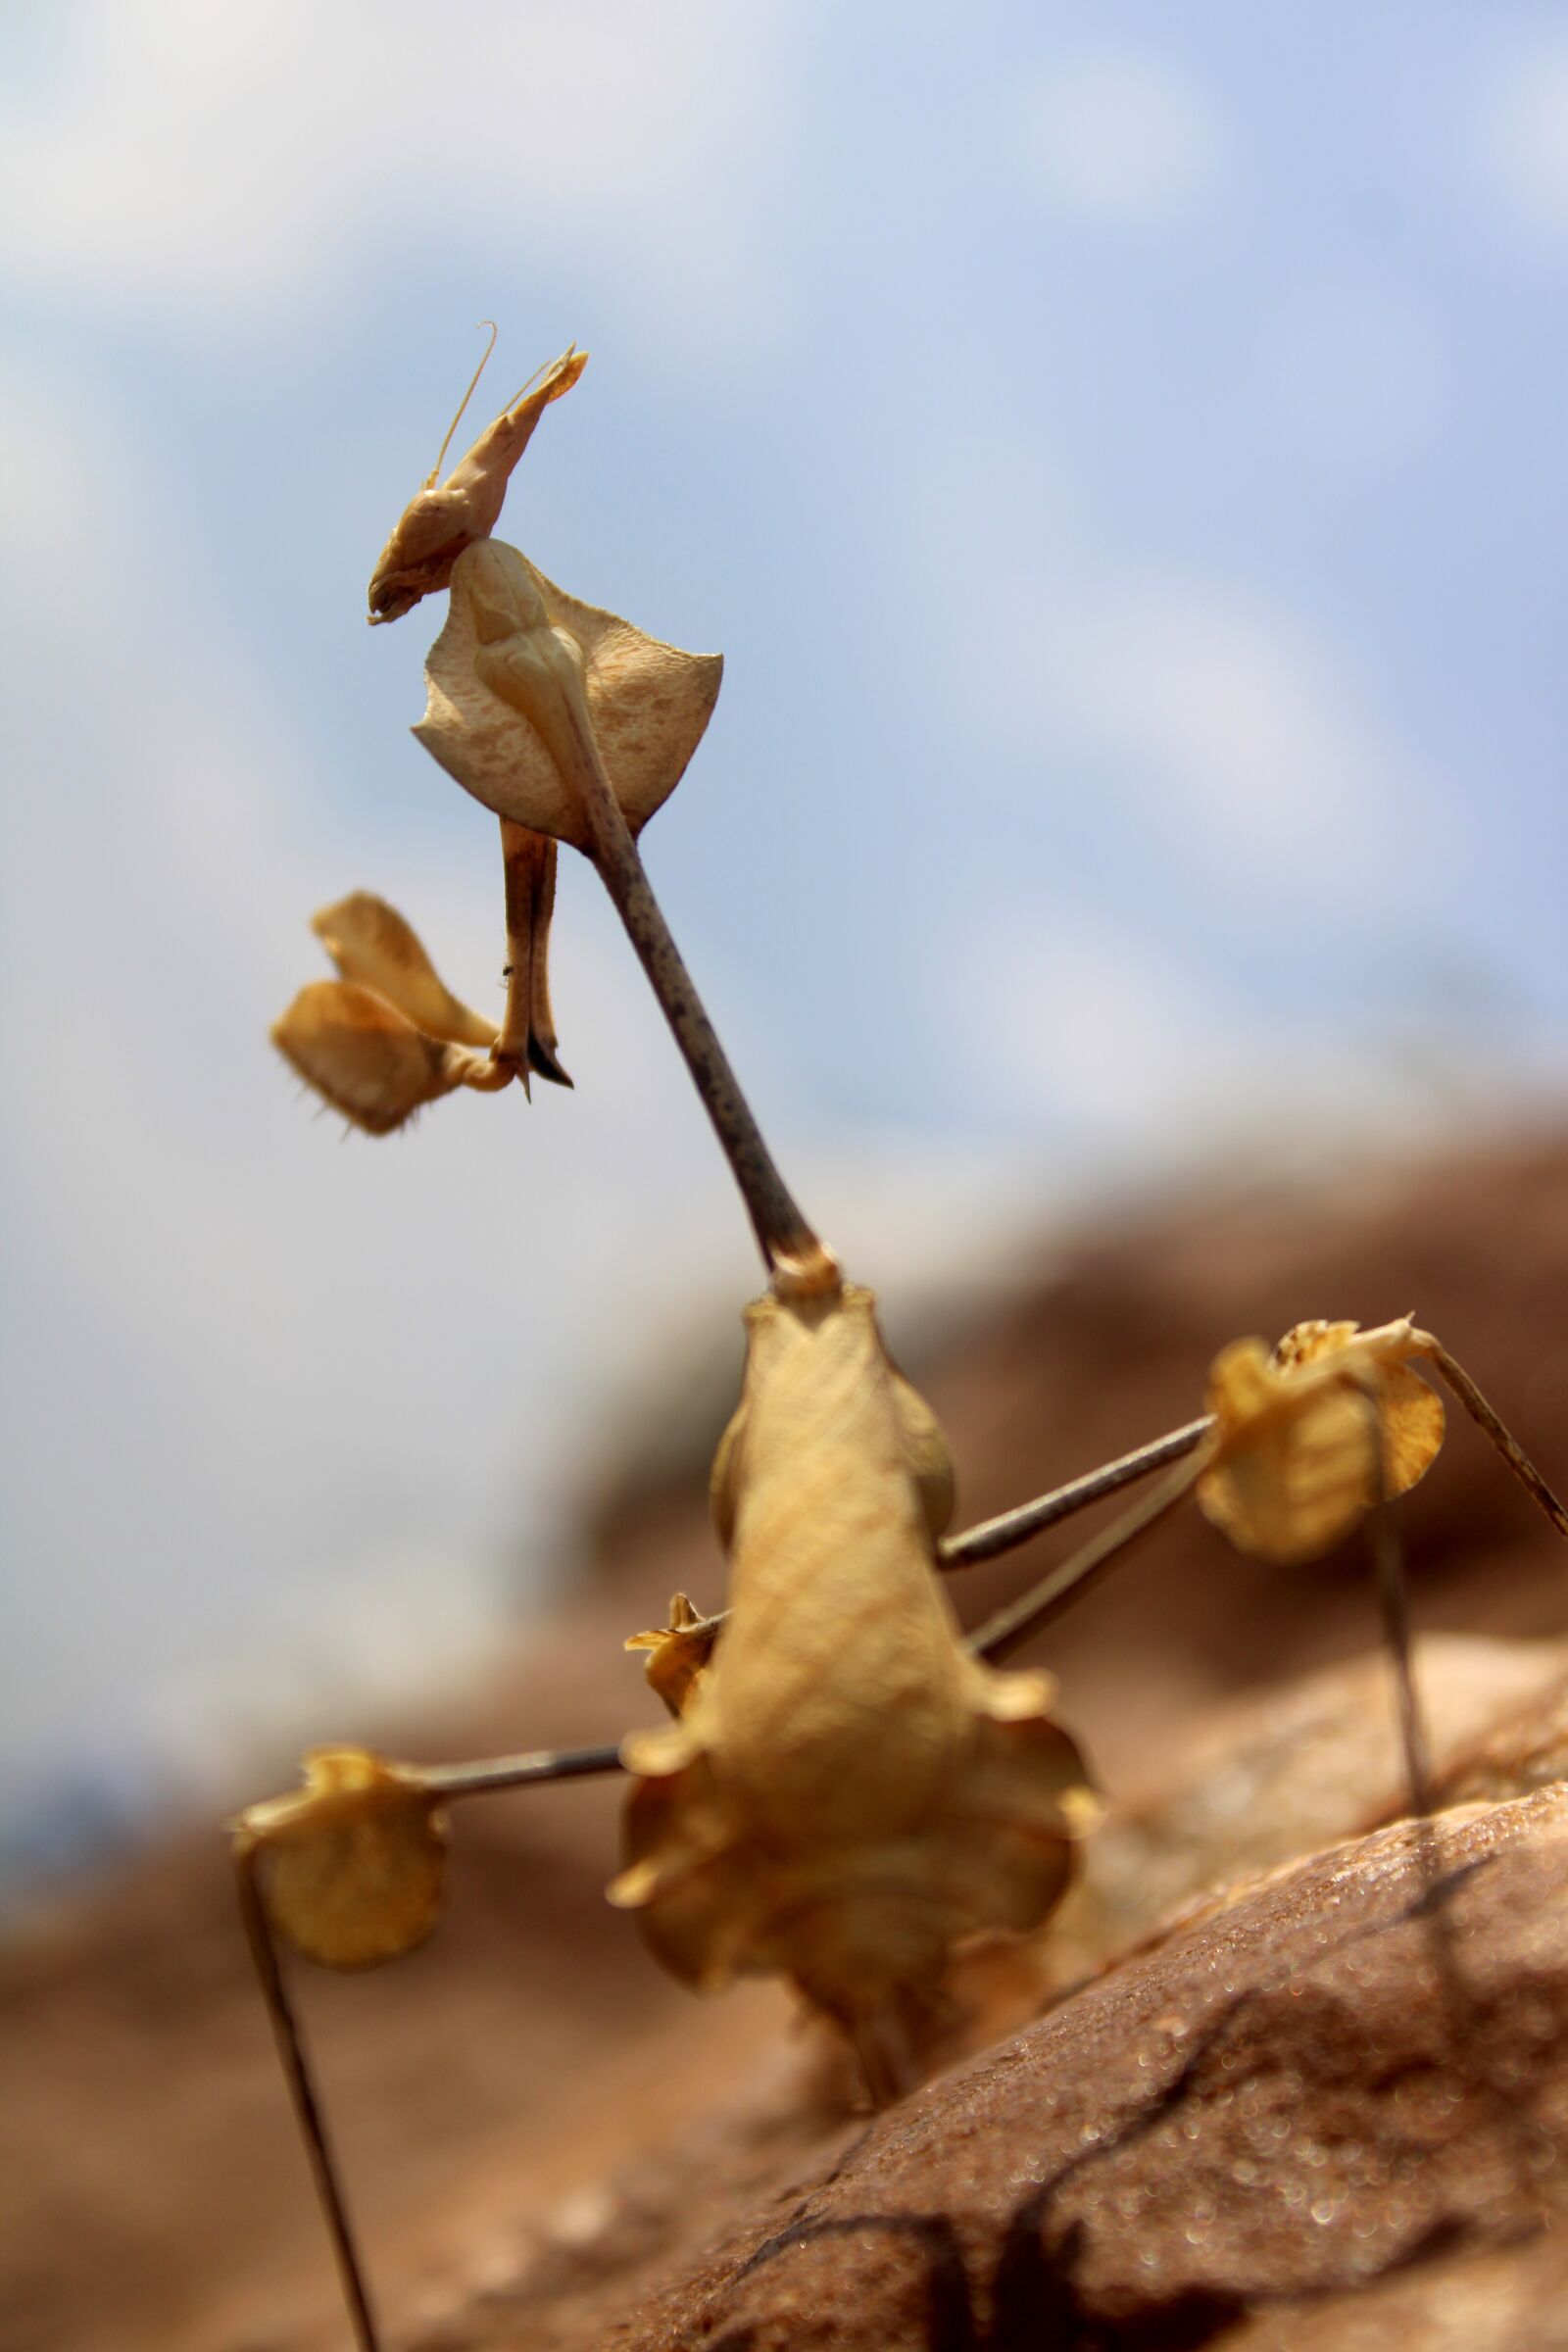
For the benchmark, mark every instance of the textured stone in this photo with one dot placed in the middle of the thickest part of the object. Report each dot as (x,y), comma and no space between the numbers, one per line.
(1352,2073)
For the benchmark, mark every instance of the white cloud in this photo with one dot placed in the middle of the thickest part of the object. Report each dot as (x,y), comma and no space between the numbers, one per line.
(225,165)
(1082,1023)
(1121,135)
(1230,732)
(1245,727)
(1144,1063)
(1221,726)
(1522,138)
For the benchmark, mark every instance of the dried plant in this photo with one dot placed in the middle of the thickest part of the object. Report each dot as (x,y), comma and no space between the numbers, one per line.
(848,1790)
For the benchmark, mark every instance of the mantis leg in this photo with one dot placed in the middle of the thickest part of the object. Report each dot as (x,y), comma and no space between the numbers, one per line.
(1021,1619)
(444,1783)
(992,1537)
(1481,1412)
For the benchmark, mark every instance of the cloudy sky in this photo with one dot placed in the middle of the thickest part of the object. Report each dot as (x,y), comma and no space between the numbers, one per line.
(1118,450)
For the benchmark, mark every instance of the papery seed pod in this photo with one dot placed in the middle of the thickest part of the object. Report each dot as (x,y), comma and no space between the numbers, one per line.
(371,942)
(440,522)
(351,1867)
(515,651)
(366,1061)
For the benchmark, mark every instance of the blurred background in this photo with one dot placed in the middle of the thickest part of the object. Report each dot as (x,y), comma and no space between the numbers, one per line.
(1117,450)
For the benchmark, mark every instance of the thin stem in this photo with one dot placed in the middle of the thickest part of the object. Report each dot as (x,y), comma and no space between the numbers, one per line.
(992,1537)
(307,2106)
(514,1772)
(1476,1406)
(795,1260)
(1010,1627)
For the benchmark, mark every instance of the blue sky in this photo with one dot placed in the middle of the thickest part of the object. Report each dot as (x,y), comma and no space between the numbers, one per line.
(1118,451)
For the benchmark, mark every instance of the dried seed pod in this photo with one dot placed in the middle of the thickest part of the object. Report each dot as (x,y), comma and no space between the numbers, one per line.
(1298,1432)
(513,670)
(365,1059)
(769,1833)
(440,522)
(371,942)
(350,1868)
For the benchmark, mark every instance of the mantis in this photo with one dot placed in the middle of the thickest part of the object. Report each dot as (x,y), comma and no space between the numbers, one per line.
(845,1788)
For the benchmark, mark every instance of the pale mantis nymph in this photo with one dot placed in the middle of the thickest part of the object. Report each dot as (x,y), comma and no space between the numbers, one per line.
(849,1789)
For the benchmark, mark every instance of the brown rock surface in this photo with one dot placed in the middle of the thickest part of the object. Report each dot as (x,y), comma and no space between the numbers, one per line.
(542,2135)
(1355,2067)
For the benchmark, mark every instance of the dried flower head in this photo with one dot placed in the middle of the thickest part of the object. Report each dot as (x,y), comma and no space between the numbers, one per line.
(520,665)
(350,1868)
(441,520)
(1298,1429)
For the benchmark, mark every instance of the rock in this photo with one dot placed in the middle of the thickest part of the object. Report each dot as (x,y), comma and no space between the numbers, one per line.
(542,2135)
(1355,2074)
(1335,2089)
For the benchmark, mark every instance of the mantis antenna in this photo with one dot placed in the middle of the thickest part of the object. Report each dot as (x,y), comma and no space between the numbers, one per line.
(435,474)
